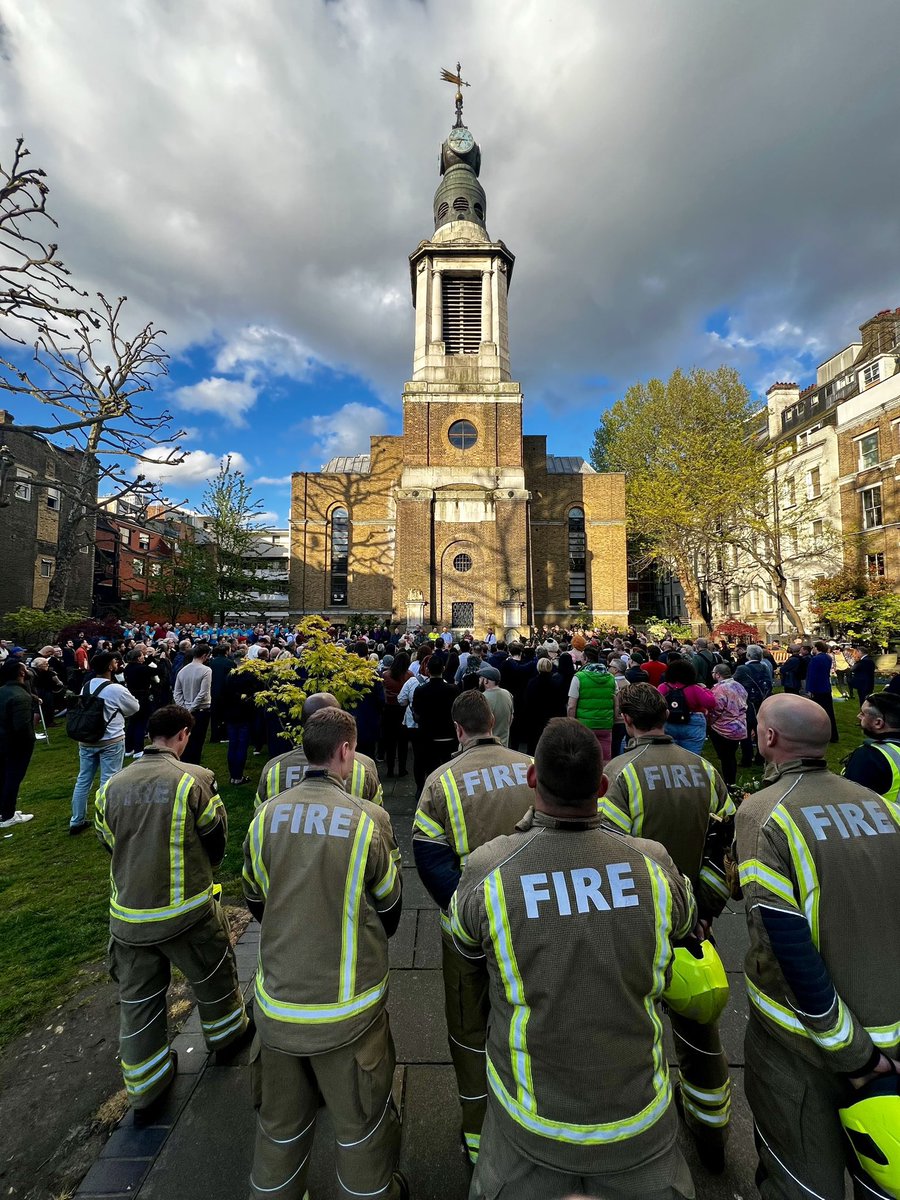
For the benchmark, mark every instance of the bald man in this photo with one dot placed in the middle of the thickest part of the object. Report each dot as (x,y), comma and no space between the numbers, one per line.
(817,857)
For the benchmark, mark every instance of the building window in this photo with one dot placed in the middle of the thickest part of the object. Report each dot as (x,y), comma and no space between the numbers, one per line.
(795,593)
(462,614)
(577,558)
(735,599)
(22,491)
(875,565)
(124,537)
(462,563)
(155,570)
(461,313)
(137,566)
(871,507)
(53,499)
(871,373)
(462,434)
(790,488)
(813,483)
(868,450)
(143,541)
(46,568)
(818,528)
(340,556)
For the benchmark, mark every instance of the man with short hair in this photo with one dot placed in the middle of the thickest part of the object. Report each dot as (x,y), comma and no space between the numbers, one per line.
(876,763)
(431,703)
(659,790)
(817,860)
(166,830)
(576,924)
(499,701)
(193,690)
(704,660)
(16,739)
(327,893)
(479,795)
(108,753)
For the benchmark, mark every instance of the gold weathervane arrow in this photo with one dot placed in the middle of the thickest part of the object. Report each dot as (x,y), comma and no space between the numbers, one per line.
(457,79)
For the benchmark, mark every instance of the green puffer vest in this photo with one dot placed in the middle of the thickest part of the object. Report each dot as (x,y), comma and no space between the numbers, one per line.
(596,692)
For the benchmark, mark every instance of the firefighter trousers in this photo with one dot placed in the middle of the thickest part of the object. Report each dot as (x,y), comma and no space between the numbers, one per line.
(504,1173)
(803,1151)
(705,1082)
(204,956)
(355,1084)
(466,1004)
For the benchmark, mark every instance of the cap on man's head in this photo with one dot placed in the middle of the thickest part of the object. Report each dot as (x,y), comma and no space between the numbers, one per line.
(488,672)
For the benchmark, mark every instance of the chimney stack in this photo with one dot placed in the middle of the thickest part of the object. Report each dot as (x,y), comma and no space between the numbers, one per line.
(779,397)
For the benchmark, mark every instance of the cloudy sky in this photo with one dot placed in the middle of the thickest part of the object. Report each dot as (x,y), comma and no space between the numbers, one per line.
(683,182)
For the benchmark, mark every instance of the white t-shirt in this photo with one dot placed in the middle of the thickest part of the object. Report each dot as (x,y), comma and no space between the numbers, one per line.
(118,703)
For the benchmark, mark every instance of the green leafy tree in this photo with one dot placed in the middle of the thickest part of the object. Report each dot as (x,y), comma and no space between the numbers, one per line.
(322,666)
(186,583)
(33,627)
(233,528)
(858,608)
(682,445)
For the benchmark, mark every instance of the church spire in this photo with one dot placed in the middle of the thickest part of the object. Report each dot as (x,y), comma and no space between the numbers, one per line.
(459,195)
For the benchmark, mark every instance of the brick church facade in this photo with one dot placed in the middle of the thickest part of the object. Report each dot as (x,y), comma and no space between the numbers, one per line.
(460,520)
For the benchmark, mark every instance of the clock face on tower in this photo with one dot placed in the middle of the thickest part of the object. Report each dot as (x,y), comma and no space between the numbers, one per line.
(460,140)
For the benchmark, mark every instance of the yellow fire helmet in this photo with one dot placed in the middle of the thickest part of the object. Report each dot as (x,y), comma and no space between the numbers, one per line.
(699,986)
(873,1126)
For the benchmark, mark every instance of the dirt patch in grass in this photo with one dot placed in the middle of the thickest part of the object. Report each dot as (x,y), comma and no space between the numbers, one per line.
(61,1086)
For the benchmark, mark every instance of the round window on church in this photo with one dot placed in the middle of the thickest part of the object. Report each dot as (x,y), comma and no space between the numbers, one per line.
(462,434)
(462,563)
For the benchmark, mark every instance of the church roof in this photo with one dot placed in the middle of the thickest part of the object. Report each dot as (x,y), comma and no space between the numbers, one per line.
(352,464)
(361,464)
(568,464)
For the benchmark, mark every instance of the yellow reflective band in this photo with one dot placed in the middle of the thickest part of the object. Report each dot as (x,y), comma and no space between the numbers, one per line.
(884,1036)
(714,880)
(426,825)
(227,1027)
(754,871)
(717,1120)
(891,752)
(176,840)
(137,1088)
(387,884)
(580,1135)
(714,1096)
(100,823)
(457,817)
(136,1070)
(273,781)
(210,814)
(396,856)
(840,1035)
(501,937)
(456,927)
(727,808)
(257,834)
(357,780)
(378,798)
(662,909)
(635,799)
(139,916)
(804,868)
(774,1011)
(316,1014)
(353,890)
(612,813)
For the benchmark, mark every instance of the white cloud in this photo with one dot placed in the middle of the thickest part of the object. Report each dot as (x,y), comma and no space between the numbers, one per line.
(268,518)
(345,431)
(197,467)
(274,480)
(226,398)
(266,349)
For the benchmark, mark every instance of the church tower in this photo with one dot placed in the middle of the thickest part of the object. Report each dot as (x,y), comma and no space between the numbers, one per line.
(460,521)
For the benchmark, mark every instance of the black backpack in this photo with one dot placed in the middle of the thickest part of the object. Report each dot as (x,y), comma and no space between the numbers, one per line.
(679,713)
(87,720)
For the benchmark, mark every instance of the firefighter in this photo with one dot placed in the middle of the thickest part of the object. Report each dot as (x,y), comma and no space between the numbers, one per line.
(482,792)
(817,862)
(166,829)
(576,923)
(659,790)
(876,763)
(286,770)
(328,895)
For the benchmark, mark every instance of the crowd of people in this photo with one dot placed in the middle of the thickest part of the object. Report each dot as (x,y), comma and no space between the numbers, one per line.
(579,845)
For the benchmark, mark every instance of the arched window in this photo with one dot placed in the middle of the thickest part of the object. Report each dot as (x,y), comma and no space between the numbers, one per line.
(577,558)
(340,556)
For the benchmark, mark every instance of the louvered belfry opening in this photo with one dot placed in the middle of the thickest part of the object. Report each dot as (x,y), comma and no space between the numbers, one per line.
(462,314)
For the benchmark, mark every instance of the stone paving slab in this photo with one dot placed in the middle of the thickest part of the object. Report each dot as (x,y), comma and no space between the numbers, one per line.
(416,1006)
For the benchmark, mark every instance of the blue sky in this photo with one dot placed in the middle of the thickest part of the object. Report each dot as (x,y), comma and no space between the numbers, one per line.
(683,184)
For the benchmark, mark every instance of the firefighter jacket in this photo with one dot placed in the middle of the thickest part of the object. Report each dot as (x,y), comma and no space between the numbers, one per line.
(817,861)
(576,923)
(286,770)
(480,794)
(313,857)
(876,765)
(154,817)
(660,791)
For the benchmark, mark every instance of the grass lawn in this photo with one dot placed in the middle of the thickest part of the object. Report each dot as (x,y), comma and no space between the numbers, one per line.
(54,888)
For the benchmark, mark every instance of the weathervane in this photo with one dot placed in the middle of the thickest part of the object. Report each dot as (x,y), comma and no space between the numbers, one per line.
(449,77)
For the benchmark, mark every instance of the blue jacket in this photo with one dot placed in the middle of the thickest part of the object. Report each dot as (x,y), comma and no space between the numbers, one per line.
(818,673)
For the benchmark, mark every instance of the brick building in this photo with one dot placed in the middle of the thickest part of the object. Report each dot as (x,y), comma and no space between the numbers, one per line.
(461,520)
(130,551)
(32,508)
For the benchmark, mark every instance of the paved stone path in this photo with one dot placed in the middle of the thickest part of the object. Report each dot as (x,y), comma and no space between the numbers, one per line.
(201,1147)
